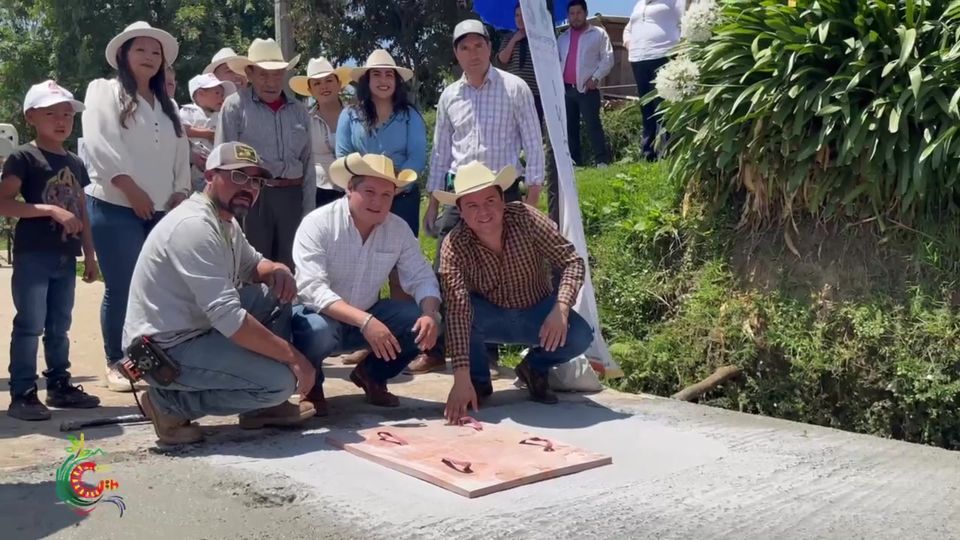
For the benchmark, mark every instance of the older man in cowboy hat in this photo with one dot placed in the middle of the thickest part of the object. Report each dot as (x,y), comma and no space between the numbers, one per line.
(278,126)
(496,270)
(344,253)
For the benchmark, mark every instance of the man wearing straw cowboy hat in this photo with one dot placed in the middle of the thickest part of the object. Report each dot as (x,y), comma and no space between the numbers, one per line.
(278,126)
(495,268)
(344,253)
(219,68)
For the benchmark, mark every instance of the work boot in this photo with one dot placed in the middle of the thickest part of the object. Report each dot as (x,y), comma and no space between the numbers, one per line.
(425,363)
(316,398)
(63,395)
(375,391)
(354,358)
(28,407)
(170,429)
(282,415)
(537,383)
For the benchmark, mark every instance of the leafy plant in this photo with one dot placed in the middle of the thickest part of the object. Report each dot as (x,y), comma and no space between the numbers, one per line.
(834,108)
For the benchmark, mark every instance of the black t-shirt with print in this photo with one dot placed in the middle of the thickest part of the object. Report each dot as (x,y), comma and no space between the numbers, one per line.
(47,178)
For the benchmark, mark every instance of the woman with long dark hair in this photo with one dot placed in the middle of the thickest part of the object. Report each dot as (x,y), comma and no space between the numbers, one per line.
(138,159)
(385,122)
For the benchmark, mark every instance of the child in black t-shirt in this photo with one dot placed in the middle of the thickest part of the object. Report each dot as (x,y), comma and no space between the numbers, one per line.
(52,231)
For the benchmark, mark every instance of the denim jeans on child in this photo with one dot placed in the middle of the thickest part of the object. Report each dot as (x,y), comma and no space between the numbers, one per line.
(494,324)
(318,336)
(118,236)
(219,377)
(43,285)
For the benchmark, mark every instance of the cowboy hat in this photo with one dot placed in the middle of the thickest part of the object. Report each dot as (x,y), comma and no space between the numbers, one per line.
(473,177)
(318,68)
(223,56)
(168,43)
(375,165)
(381,59)
(264,53)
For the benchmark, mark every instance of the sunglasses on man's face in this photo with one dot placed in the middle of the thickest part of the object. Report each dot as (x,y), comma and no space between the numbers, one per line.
(241,178)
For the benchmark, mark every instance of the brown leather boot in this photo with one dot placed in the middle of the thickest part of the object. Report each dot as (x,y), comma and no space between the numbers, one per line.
(354,358)
(537,384)
(319,402)
(282,415)
(376,392)
(425,363)
(170,429)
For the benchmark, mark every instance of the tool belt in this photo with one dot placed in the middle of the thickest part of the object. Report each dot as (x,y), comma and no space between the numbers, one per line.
(285,182)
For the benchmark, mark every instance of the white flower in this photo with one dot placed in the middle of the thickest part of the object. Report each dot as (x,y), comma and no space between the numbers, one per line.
(678,79)
(698,22)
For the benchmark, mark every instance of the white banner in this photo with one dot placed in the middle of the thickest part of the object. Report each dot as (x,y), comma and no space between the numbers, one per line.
(546,65)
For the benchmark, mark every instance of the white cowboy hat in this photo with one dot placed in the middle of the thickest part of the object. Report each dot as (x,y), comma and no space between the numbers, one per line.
(142,29)
(265,53)
(318,68)
(381,59)
(473,177)
(223,56)
(375,165)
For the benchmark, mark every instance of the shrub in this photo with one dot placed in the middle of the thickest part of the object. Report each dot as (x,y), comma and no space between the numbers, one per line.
(834,108)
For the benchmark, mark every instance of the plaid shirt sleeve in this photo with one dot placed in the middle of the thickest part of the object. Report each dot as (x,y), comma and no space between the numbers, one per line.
(457,298)
(560,252)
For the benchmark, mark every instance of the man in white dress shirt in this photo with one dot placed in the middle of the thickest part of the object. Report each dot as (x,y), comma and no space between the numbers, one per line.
(344,253)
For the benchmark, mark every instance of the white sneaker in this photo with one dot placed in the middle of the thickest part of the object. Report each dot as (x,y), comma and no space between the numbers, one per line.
(116,382)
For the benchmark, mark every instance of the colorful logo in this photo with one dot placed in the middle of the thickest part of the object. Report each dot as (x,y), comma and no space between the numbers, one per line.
(81,497)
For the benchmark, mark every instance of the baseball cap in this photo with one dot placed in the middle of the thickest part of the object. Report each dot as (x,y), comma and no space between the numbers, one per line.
(469,26)
(49,93)
(234,155)
(209,80)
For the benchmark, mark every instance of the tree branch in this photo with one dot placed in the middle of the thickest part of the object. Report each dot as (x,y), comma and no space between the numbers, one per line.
(720,376)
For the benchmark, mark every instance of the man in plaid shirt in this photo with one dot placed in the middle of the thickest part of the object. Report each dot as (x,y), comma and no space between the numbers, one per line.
(496,273)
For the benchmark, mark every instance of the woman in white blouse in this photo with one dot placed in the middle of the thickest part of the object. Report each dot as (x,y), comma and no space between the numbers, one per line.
(138,159)
(324,84)
(650,36)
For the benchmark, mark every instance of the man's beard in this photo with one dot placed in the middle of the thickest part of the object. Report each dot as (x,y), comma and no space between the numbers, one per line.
(239,210)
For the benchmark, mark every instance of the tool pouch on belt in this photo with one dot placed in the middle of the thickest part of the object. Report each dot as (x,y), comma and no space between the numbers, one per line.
(148,358)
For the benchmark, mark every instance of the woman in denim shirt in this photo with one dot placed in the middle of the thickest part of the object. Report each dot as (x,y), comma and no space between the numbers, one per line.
(383,121)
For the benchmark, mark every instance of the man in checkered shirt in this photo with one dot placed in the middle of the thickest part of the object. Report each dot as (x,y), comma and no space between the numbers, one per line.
(496,270)
(488,115)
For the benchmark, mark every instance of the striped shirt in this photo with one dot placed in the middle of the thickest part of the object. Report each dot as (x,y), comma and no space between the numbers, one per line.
(490,124)
(517,278)
(521,64)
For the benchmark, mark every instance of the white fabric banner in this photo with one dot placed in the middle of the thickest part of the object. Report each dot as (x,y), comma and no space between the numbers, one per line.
(546,65)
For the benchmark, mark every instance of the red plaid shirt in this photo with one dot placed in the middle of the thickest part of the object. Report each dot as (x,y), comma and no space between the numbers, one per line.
(518,278)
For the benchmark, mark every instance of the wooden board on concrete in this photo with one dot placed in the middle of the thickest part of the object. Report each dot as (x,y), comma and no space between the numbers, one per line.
(465,460)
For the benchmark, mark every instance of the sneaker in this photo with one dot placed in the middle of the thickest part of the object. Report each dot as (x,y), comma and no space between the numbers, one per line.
(28,407)
(116,381)
(63,395)
(170,429)
(282,415)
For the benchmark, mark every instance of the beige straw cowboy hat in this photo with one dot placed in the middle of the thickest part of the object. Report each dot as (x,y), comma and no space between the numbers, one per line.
(318,68)
(375,165)
(264,53)
(223,56)
(381,59)
(168,43)
(473,177)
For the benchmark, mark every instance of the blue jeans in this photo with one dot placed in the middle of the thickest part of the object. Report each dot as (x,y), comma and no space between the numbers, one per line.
(219,377)
(407,205)
(318,336)
(43,285)
(118,235)
(494,324)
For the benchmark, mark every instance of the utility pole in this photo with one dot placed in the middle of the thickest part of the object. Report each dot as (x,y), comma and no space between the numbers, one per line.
(283,27)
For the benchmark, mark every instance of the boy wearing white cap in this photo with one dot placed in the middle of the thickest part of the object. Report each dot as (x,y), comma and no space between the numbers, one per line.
(200,120)
(52,231)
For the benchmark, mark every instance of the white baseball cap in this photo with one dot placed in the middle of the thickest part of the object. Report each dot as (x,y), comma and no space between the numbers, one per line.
(469,26)
(49,93)
(235,155)
(209,80)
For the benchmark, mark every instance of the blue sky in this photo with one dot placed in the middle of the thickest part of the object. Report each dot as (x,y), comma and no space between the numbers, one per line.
(611,7)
